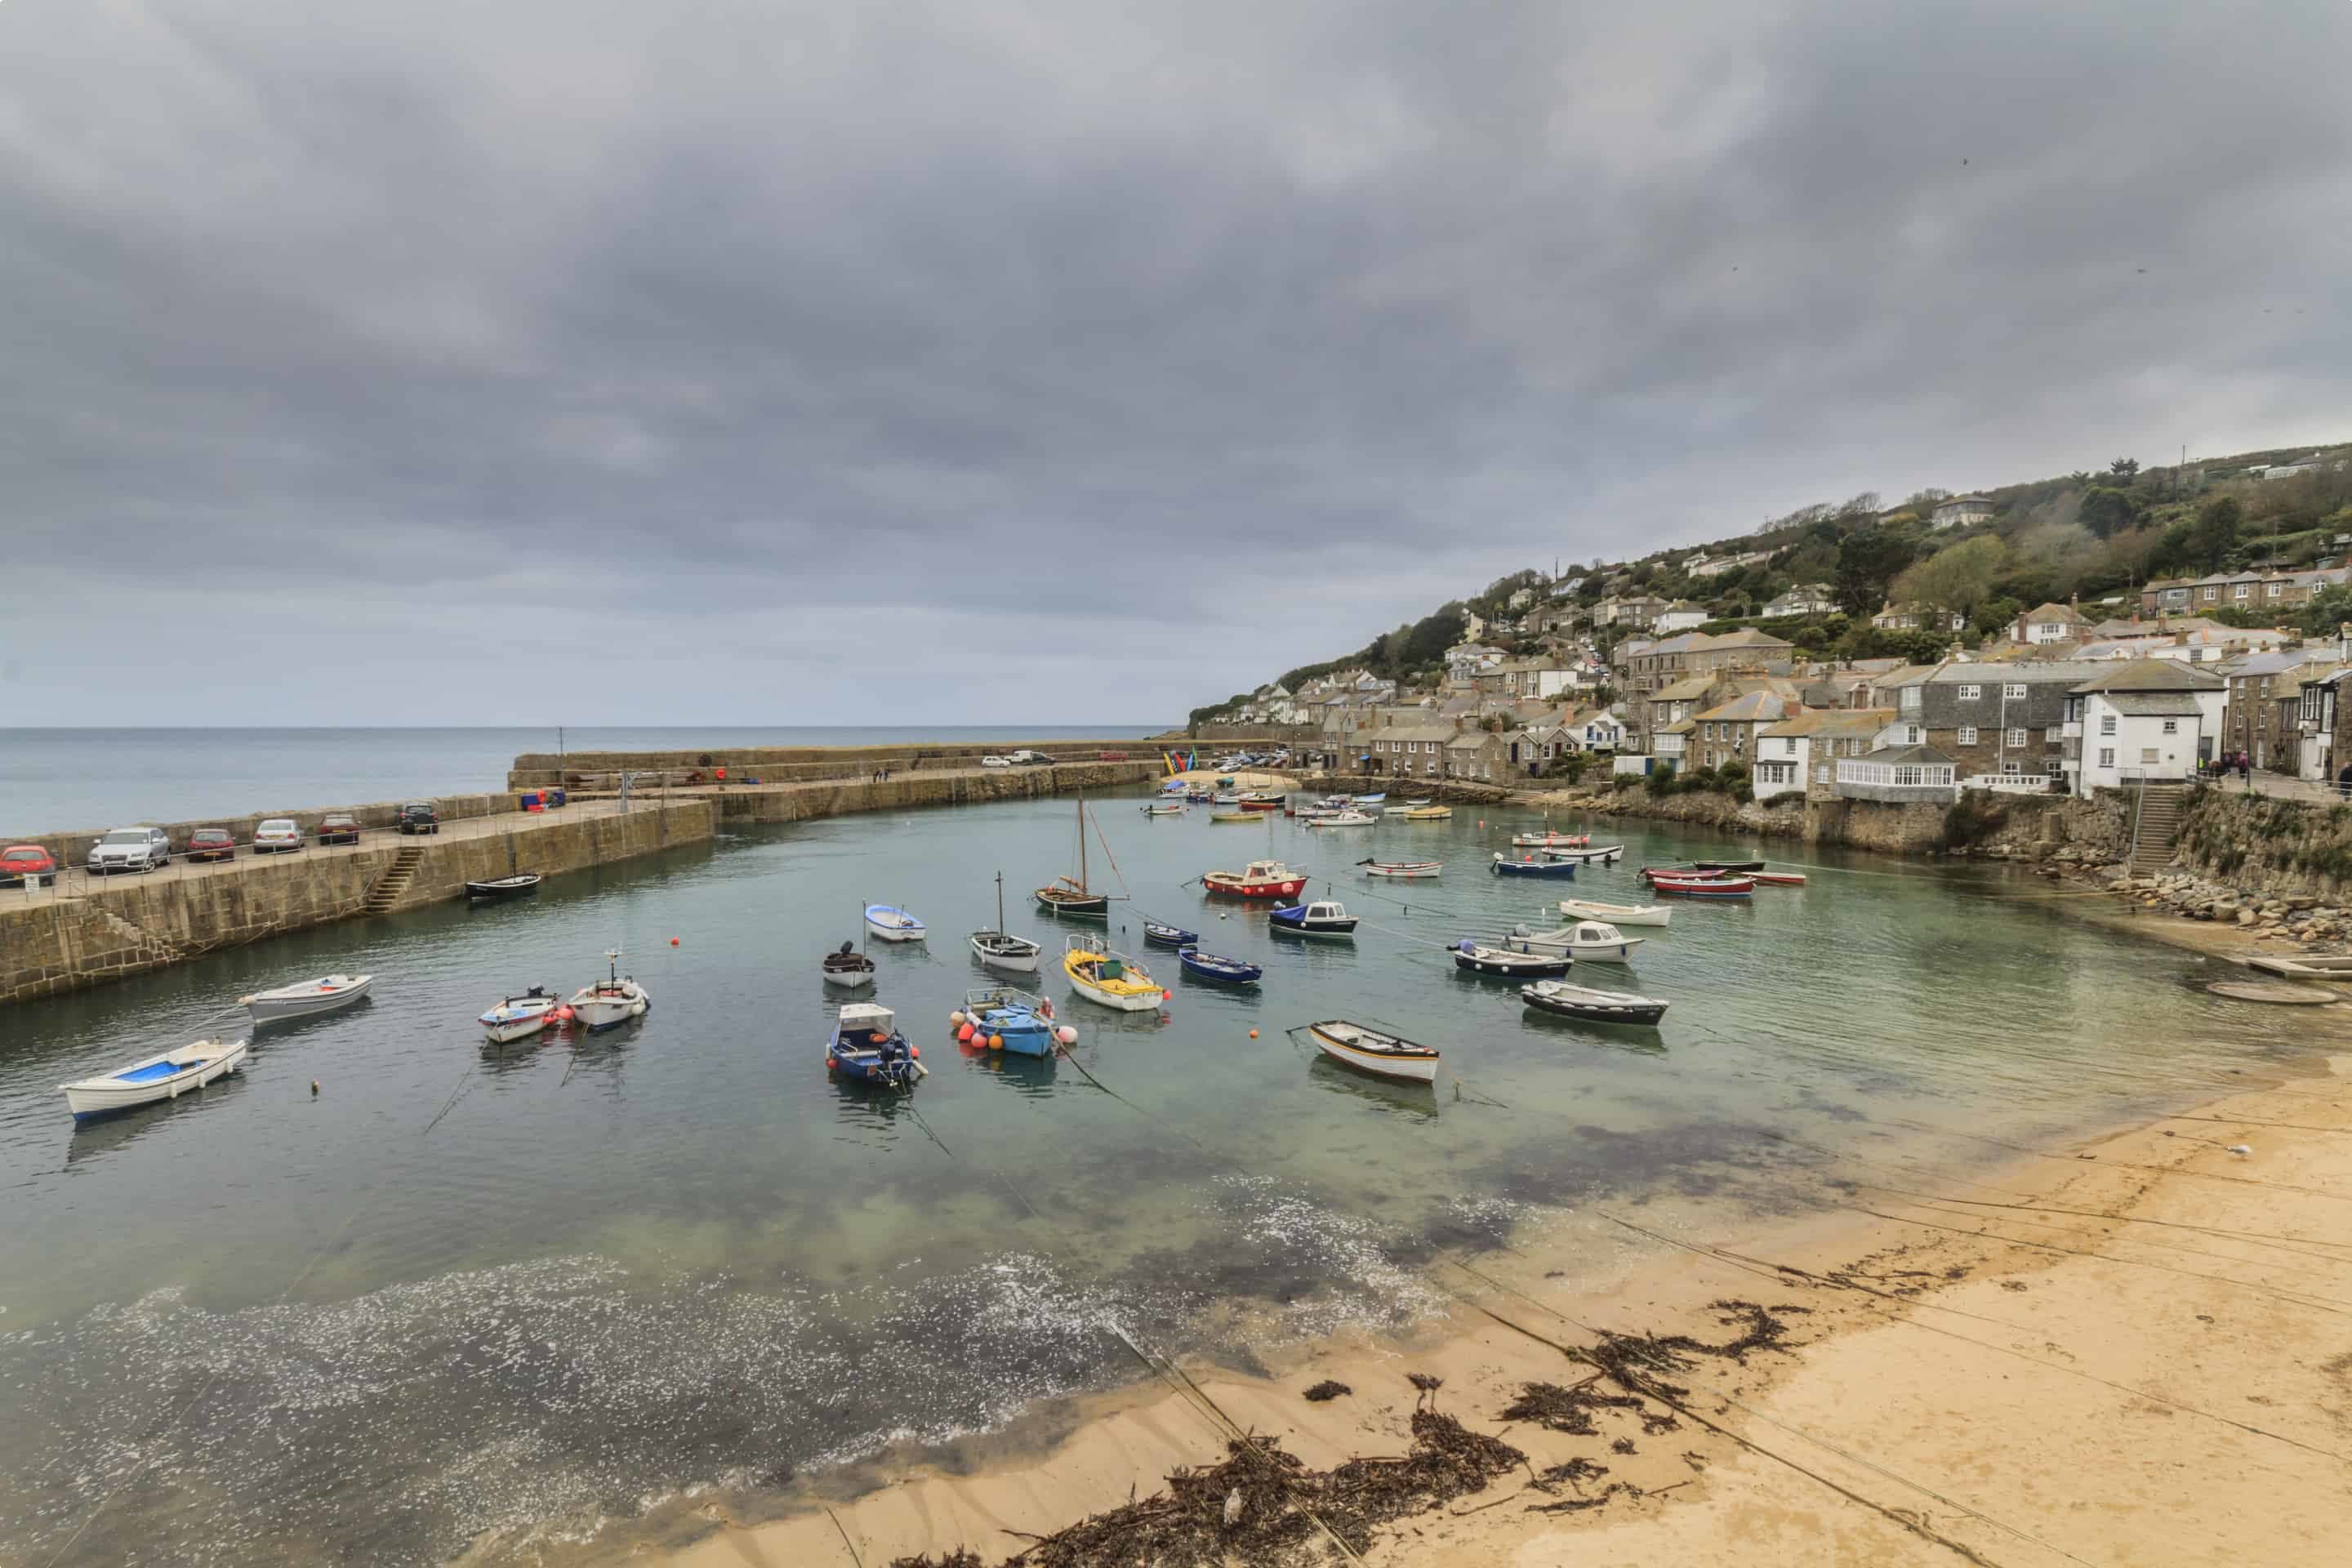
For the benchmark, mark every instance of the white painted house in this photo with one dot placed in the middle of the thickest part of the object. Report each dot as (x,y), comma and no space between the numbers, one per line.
(2150,720)
(1682,615)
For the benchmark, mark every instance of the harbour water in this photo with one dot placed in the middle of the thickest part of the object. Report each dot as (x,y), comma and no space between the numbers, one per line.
(531,1292)
(55,781)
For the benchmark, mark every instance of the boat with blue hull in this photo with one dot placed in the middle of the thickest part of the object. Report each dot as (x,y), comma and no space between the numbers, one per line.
(866,1047)
(1159,933)
(1225,970)
(1506,866)
(1018,1022)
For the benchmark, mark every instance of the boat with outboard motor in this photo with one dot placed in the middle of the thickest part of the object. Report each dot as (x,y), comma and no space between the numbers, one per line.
(1599,855)
(1688,886)
(1592,1006)
(494,888)
(1373,1051)
(848,968)
(1550,840)
(866,1047)
(519,1017)
(1348,817)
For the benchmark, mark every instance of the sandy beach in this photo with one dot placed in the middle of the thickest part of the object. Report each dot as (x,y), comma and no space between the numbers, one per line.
(2137,1350)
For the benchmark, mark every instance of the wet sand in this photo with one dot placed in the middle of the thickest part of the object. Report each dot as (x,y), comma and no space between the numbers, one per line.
(2134,1351)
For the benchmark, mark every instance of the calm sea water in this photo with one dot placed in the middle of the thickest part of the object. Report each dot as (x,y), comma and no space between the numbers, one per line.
(57,781)
(464,1290)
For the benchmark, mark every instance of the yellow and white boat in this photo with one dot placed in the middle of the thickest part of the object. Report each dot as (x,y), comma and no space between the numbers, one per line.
(1113,979)
(1429,814)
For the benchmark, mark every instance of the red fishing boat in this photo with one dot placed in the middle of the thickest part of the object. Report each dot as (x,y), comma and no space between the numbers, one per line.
(1689,886)
(1259,880)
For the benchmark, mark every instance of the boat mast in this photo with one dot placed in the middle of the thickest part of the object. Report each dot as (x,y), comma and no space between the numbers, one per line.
(1082,838)
(1000,903)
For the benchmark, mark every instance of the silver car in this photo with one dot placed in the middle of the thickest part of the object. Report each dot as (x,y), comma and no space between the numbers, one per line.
(129,849)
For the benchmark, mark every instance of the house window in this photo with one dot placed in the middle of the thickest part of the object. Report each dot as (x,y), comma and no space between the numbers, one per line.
(1911,735)
(2273,590)
(2014,738)
(2147,755)
(1910,697)
(2106,723)
(2013,689)
(2008,767)
(1968,735)
(1789,747)
(1970,693)
(2172,726)
(2107,756)
(2053,734)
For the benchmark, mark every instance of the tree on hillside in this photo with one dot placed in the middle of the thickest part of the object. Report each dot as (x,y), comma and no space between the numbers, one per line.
(2125,468)
(1811,561)
(2107,510)
(1959,578)
(2215,533)
(1867,562)
(1994,617)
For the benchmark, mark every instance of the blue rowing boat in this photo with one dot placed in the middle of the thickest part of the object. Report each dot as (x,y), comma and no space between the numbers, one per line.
(1160,934)
(1506,866)
(1209,966)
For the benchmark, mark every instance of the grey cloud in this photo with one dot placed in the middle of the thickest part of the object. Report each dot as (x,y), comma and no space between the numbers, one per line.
(1200,342)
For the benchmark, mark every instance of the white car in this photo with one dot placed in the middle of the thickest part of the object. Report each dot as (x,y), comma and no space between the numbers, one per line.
(277,833)
(996,761)
(129,849)
(1029,759)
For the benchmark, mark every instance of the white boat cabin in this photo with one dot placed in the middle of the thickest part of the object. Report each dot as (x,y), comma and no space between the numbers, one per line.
(860,1021)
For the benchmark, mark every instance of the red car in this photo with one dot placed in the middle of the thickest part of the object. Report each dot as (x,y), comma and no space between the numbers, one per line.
(210,843)
(19,861)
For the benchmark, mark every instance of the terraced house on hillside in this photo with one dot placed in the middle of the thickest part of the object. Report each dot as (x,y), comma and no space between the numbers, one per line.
(1663,662)
(2246,589)
(1999,718)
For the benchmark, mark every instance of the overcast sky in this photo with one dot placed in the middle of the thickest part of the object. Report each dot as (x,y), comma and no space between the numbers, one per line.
(757,362)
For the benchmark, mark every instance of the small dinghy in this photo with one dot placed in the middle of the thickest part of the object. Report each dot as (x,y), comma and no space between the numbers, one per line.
(1370,1050)
(498,888)
(613,1000)
(999,1018)
(1551,840)
(999,948)
(866,1046)
(519,1017)
(1473,959)
(166,1077)
(1099,974)
(1225,970)
(1396,811)
(1616,914)
(1371,799)
(1260,800)
(1324,917)
(1778,878)
(1429,814)
(1727,864)
(1605,855)
(1408,869)
(1695,887)
(1160,935)
(1166,808)
(1350,818)
(1235,815)
(304,998)
(1592,1006)
(848,968)
(891,924)
(1224,797)
(1506,866)
(1587,942)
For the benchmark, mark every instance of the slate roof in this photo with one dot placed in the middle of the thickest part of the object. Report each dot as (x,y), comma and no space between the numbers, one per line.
(2153,675)
(2153,704)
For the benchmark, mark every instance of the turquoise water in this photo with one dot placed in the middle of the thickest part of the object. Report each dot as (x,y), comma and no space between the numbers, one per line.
(61,781)
(462,1290)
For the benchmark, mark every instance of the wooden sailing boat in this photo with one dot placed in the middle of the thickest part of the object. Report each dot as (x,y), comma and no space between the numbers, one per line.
(1068,896)
(1000,949)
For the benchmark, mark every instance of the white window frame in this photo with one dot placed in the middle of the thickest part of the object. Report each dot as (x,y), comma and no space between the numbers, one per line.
(2014,738)
(2172,726)
(2107,756)
(2013,689)
(1968,735)
(1972,693)
(2106,723)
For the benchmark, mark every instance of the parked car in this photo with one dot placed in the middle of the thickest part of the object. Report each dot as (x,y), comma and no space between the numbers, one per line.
(210,843)
(339,827)
(129,849)
(278,834)
(1030,759)
(996,761)
(19,861)
(418,817)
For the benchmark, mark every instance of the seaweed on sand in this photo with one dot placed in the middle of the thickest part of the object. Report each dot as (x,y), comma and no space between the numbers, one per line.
(1264,1505)
(1330,1388)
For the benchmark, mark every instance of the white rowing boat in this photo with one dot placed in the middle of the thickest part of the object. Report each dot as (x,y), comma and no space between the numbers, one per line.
(165,1077)
(304,998)
(1369,1050)
(1616,914)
